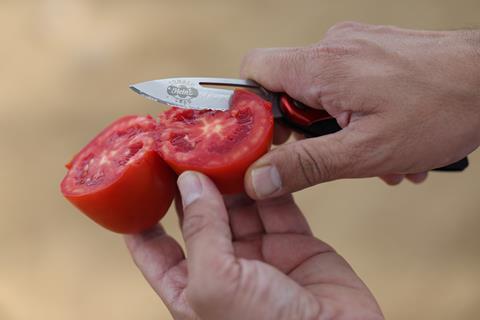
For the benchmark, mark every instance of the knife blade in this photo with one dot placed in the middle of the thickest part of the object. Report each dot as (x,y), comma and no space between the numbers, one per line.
(192,93)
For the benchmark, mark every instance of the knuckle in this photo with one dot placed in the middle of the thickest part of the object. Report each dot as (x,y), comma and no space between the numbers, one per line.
(314,95)
(289,58)
(313,169)
(382,28)
(296,57)
(332,50)
(292,71)
(358,44)
(349,25)
(330,70)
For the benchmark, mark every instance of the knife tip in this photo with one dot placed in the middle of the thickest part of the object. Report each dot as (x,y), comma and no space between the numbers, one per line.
(132,87)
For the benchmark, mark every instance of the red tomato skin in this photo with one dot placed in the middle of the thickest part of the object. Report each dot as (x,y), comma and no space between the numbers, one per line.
(135,201)
(229,179)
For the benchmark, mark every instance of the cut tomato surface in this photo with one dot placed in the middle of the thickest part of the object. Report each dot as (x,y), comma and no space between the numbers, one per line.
(221,145)
(123,179)
(118,180)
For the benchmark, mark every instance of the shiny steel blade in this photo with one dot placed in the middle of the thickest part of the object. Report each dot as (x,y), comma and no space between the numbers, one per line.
(191,93)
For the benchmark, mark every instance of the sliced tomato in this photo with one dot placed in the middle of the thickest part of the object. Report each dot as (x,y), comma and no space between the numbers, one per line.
(221,145)
(121,182)
(118,180)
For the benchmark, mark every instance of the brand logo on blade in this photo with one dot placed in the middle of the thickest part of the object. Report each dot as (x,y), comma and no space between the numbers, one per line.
(182,92)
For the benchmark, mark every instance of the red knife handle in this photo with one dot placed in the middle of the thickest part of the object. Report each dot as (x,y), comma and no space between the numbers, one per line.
(300,113)
(308,121)
(314,123)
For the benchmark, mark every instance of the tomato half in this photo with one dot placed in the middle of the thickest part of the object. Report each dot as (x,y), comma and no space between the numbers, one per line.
(118,180)
(121,182)
(221,145)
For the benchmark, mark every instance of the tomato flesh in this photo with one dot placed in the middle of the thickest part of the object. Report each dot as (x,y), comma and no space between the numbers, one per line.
(123,179)
(118,180)
(220,144)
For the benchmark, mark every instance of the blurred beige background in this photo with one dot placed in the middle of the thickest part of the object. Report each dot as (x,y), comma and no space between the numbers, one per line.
(65,66)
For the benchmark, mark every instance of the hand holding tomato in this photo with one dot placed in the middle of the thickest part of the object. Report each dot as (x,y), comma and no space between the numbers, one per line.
(247,260)
(409,101)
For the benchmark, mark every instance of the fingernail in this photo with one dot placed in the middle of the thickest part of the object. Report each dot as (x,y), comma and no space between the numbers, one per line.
(266,181)
(190,187)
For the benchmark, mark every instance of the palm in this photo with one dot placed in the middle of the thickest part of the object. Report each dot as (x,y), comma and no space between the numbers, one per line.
(273,242)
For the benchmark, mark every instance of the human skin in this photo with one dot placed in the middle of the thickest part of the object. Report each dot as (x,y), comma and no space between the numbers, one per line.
(247,260)
(408,102)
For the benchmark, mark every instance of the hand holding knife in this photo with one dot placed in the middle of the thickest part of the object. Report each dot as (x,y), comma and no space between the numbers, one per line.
(198,93)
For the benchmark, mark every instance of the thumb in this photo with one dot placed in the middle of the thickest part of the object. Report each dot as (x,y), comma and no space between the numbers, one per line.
(210,254)
(298,165)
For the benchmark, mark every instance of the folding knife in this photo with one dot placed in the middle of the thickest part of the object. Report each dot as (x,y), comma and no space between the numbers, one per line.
(213,93)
